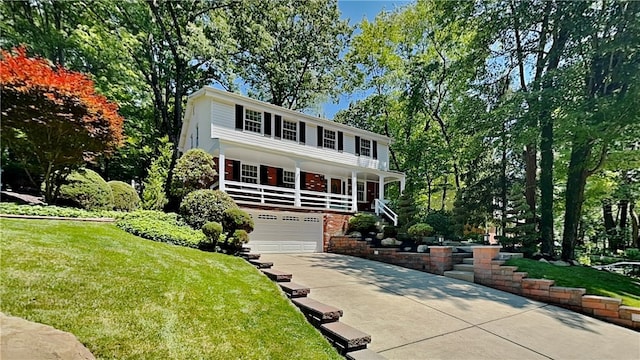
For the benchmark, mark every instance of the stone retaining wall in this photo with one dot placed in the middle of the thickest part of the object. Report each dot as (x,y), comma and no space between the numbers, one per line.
(437,261)
(491,272)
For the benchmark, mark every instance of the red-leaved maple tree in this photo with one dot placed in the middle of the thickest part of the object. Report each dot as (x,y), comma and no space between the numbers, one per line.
(53,116)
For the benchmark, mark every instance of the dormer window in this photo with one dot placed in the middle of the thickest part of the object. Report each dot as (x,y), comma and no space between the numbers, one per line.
(253,121)
(329,139)
(290,130)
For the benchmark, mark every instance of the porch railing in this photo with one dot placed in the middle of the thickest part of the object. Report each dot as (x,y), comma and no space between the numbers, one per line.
(382,209)
(258,194)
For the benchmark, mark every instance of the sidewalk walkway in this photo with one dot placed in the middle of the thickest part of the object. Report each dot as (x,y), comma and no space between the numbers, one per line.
(414,315)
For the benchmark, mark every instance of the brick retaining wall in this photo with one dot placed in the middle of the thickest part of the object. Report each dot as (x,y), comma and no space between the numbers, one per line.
(437,261)
(491,272)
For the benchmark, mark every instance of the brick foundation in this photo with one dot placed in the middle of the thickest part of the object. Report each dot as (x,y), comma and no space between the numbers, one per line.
(491,272)
(334,225)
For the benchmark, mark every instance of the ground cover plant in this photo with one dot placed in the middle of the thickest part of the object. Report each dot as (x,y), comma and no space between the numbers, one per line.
(597,282)
(60,211)
(162,227)
(125,297)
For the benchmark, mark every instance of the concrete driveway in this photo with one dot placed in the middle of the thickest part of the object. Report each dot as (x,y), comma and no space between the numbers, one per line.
(414,315)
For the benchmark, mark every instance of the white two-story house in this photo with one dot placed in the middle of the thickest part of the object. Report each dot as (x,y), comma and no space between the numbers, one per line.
(294,173)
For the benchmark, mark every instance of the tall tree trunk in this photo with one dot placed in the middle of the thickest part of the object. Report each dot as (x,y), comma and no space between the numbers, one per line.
(607,214)
(623,206)
(574,198)
(635,231)
(429,194)
(444,191)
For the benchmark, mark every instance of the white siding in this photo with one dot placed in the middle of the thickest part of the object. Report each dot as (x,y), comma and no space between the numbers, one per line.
(223,114)
(312,135)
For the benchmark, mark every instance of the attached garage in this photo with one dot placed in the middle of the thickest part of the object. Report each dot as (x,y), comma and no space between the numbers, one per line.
(286,232)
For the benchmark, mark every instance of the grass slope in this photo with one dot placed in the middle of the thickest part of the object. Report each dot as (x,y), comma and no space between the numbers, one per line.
(596,282)
(125,297)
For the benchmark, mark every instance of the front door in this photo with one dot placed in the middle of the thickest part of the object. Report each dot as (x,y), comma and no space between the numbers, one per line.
(372,194)
(336,186)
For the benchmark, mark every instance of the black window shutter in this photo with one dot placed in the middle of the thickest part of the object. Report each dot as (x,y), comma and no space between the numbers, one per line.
(278,132)
(264,175)
(239,116)
(375,149)
(303,176)
(235,175)
(320,135)
(303,132)
(267,123)
(279,176)
(357,145)
(340,141)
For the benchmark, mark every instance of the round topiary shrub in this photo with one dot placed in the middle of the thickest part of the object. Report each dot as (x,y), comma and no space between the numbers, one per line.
(86,189)
(236,219)
(195,170)
(363,223)
(234,242)
(212,231)
(202,206)
(125,197)
(420,230)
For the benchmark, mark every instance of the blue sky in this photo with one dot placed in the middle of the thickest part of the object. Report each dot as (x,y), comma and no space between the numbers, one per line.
(355,11)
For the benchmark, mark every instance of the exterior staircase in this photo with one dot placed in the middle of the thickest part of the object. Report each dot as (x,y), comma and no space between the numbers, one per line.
(462,271)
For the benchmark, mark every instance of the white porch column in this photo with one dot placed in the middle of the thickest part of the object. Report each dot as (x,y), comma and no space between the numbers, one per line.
(296,201)
(354,192)
(222,167)
(381,187)
(402,184)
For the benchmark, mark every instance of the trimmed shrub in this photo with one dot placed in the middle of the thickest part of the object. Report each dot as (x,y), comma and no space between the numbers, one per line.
(202,206)
(441,222)
(194,170)
(125,197)
(212,230)
(161,227)
(233,243)
(236,219)
(390,231)
(87,190)
(363,223)
(420,230)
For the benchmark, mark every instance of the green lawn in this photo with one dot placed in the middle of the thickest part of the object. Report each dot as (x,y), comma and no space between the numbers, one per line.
(596,282)
(126,297)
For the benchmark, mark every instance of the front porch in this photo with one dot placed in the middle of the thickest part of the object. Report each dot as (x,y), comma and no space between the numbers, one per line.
(262,179)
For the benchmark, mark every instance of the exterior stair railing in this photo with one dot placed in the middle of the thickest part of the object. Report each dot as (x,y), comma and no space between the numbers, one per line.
(382,209)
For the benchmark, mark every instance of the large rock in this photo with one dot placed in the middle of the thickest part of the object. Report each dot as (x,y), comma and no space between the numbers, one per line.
(22,339)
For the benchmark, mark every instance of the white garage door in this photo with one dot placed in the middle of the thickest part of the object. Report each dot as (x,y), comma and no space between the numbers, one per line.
(285,232)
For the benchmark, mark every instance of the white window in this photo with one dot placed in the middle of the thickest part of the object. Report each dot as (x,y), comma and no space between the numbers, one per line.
(253,121)
(289,179)
(360,192)
(329,140)
(290,130)
(249,174)
(365,147)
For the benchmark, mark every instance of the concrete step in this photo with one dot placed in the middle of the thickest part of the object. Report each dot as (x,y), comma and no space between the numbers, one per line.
(460,275)
(250,256)
(261,264)
(463,267)
(364,354)
(316,312)
(294,290)
(507,256)
(277,276)
(468,261)
(344,337)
